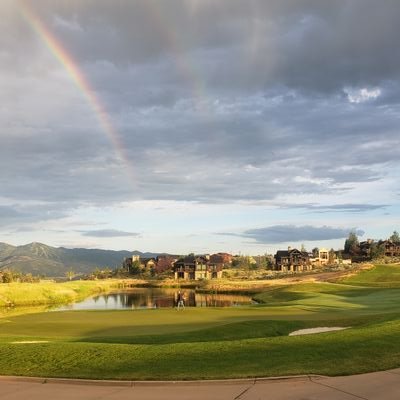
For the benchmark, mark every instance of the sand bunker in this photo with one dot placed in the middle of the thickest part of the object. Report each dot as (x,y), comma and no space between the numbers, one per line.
(30,341)
(316,330)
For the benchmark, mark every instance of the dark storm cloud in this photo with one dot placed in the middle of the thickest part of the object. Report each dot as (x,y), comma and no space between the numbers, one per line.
(307,45)
(300,44)
(292,233)
(211,101)
(108,233)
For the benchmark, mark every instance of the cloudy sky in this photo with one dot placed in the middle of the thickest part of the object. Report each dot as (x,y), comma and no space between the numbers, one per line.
(199,125)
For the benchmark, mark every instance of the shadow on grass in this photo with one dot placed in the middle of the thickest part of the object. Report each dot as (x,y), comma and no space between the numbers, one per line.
(252,329)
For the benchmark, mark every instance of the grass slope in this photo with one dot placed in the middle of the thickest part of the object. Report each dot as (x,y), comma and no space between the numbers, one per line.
(356,350)
(209,343)
(378,276)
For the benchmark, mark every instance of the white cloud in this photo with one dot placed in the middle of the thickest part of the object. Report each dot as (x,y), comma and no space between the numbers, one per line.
(362,95)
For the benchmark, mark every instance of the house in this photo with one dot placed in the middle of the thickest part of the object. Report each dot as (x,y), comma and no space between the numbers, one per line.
(388,247)
(392,249)
(292,260)
(365,248)
(165,262)
(196,267)
(221,259)
(129,262)
(323,255)
(148,263)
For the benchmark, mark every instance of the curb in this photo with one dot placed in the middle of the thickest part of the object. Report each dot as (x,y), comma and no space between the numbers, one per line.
(129,383)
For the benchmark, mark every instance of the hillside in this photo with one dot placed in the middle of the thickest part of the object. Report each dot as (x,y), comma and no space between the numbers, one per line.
(40,259)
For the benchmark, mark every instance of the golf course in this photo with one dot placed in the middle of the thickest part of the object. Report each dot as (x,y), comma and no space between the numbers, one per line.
(216,343)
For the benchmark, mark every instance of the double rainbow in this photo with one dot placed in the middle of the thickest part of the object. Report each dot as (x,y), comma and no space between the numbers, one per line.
(72,68)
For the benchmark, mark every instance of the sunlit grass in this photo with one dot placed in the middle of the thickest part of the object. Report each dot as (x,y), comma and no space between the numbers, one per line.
(215,342)
(48,292)
(378,276)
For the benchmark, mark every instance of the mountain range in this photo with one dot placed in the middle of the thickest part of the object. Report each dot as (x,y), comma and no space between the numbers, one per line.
(40,259)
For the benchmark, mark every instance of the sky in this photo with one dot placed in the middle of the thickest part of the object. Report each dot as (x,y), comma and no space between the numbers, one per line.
(198,125)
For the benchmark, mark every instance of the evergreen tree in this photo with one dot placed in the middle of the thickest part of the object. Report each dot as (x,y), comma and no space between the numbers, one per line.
(395,237)
(315,252)
(377,250)
(351,245)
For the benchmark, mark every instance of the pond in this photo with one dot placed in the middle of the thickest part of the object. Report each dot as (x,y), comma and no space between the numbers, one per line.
(139,298)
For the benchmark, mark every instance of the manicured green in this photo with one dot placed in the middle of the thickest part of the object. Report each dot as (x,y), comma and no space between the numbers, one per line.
(329,297)
(209,343)
(367,348)
(379,276)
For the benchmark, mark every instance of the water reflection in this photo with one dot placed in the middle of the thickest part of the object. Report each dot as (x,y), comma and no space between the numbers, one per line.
(140,298)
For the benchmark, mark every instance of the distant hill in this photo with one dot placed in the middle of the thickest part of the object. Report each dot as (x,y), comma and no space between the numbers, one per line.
(40,259)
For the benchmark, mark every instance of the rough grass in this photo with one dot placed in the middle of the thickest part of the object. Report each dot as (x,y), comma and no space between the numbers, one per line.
(48,292)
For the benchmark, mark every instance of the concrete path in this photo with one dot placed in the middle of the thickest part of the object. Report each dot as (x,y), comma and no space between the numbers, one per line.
(373,386)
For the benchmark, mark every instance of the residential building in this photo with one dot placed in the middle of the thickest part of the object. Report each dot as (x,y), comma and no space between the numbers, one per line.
(165,262)
(196,267)
(292,260)
(392,249)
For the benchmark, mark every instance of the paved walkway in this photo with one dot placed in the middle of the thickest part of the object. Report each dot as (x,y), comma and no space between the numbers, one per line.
(373,386)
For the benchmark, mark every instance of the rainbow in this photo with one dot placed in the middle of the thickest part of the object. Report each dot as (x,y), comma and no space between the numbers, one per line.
(72,68)
(184,65)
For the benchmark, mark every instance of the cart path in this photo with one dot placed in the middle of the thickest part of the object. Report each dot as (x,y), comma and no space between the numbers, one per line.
(383,385)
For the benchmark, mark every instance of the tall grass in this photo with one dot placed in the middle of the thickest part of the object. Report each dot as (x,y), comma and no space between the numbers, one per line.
(47,292)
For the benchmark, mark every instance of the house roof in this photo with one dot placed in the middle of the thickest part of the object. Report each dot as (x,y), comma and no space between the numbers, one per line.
(287,253)
(146,260)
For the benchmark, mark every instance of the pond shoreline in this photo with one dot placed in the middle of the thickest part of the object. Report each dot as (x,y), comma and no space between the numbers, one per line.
(150,298)
(48,293)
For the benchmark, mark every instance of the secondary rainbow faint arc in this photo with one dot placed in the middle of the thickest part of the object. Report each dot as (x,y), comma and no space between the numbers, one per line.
(183,63)
(67,61)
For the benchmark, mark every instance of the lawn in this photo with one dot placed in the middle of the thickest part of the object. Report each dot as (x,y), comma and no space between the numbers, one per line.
(378,276)
(209,343)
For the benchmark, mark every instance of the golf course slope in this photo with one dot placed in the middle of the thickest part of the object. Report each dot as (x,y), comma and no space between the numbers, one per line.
(216,343)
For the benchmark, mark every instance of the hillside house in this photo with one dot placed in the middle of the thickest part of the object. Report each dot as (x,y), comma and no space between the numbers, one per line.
(292,260)
(221,259)
(324,257)
(165,262)
(392,249)
(365,248)
(148,263)
(196,267)
(129,262)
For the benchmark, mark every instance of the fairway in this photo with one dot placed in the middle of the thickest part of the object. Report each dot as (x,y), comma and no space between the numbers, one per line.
(210,343)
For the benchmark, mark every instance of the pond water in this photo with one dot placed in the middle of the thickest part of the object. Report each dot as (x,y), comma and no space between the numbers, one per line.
(139,298)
